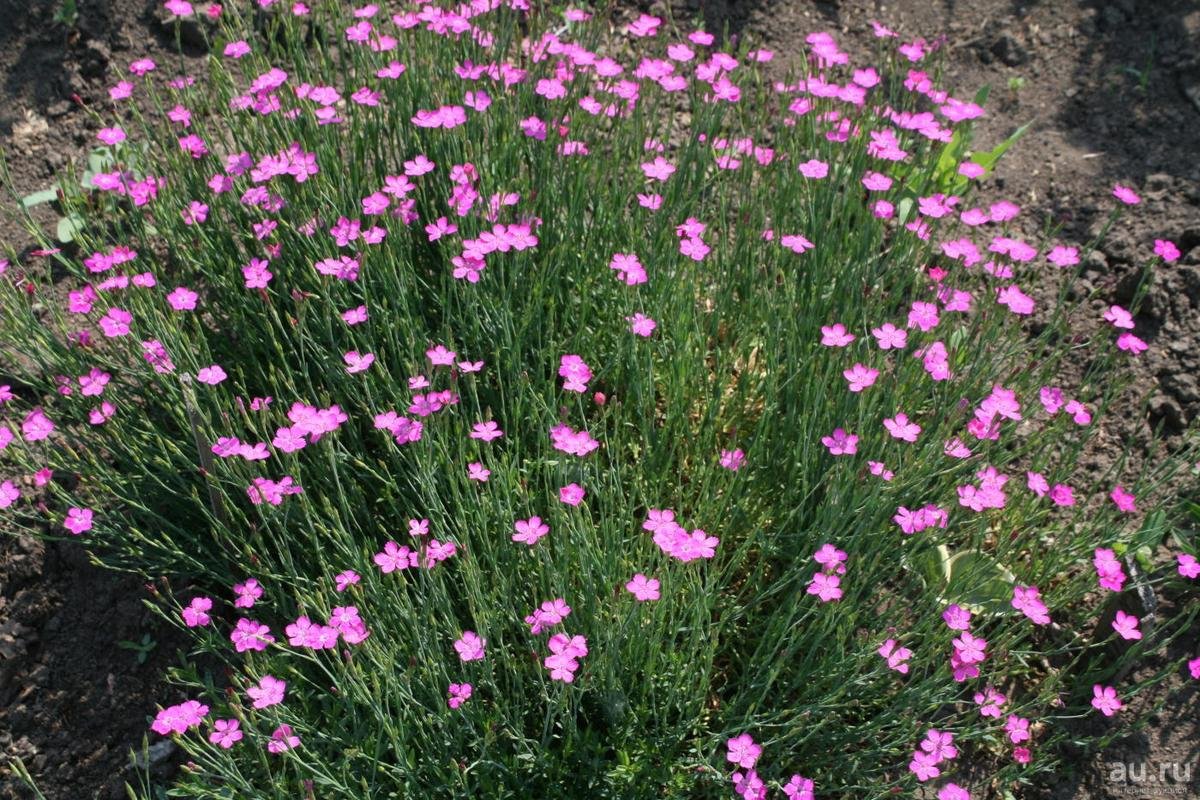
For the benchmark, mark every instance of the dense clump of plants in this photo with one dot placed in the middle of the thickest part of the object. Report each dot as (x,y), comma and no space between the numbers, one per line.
(538,407)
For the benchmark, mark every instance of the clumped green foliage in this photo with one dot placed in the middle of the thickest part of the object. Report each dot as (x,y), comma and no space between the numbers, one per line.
(534,410)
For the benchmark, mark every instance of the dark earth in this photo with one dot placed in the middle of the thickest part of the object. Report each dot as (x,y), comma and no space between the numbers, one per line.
(1114,90)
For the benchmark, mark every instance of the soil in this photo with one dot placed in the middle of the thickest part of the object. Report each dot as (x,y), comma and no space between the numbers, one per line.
(1113,88)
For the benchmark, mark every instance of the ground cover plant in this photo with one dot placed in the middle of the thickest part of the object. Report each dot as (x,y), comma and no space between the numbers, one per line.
(537,409)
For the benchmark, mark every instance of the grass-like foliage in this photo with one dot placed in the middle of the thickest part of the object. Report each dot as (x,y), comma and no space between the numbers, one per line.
(541,408)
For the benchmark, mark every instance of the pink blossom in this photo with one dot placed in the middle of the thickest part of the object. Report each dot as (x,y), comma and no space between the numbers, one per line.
(643,588)
(841,443)
(179,718)
(733,460)
(1105,700)
(835,335)
(1126,626)
(211,375)
(459,693)
(1126,195)
(860,377)
(250,635)
(743,751)
(572,494)
(283,739)
(528,531)
(226,733)
(888,336)
(78,520)
(641,325)
(268,692)
(195,614)
(344,580)
(469,646)
(825,586)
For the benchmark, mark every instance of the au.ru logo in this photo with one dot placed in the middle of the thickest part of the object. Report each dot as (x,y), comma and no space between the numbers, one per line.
(1168,773)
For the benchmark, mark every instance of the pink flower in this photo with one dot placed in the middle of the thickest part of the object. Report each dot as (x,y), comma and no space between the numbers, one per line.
(282,740)
(576,443)
(1108,569)
(268,692)
(247,593)
(1105,700)
(1126,626)
(1062,495)
(841,443)
(1063,257)
(195,615)
(660,169)
(226,733)
(900,428)
(895,656)
(111,136)
(1119,318)
(1131,344)
(344,580)
(1027,600)
(357,362)
(825,586)
(530,530)
(733,460)
(1189,567)
(836,336)
(182,299)
(888,336)
(550,613)
(469,646)
(486,431)
(79,520)
(990,702)
(394,557)
(1017,729)
(831,558)
(814,169)
(1166,250)
(643,588)
(924,766)
(1017,301)
(178,719)
(575,372)
(799,788)
(970,649)
(1126,195)
(565,649)
(952,791)
(459,693)
(440,356)
(477,472)
(36,426)
(860,377)
(355,316)
(211,375)
(796,243)
(956,618)
(250,635)
(939,744)
(1123,500)
(641,325)
(572,494)
(628,268)
(743,751)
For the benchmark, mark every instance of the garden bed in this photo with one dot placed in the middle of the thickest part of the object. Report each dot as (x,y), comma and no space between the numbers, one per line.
(1109,90)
